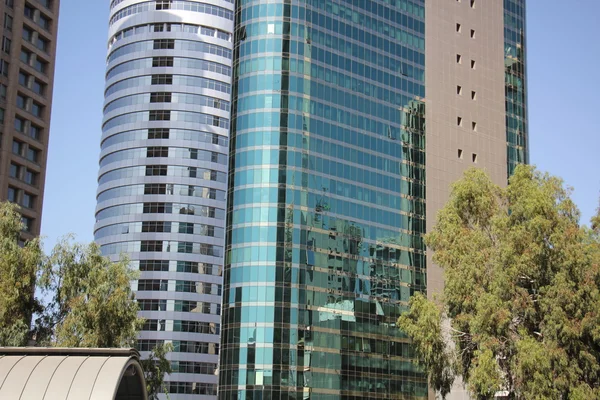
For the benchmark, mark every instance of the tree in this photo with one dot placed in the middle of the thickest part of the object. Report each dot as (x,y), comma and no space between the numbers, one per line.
(155,367)
(92,303)
(18,268)
(521,296)
(87,299)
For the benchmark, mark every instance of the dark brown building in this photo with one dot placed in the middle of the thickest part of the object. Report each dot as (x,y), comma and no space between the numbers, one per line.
(27,60)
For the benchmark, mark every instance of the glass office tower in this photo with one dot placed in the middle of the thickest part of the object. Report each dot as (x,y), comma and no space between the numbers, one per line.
(326,200)
(163,173)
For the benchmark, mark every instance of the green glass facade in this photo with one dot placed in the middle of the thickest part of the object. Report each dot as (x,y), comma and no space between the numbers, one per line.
(326,205)
(516,83)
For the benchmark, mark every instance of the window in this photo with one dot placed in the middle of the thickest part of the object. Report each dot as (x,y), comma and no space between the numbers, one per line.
(30,177)
(472,3)
(162,79)
(459,90)
(162,44)
(151,245)
(27,224)
(38,87)
(37,109)
(155,188)
(9,3)
(160,97)
(458,28)
(158,133)
(42,44)
(46,3)
(27,34)
(19,124)
(23,78)
(40,65)
(473,95)
(21,101)
(14,171)
(162,62)
(2,112)
(6,43)
(156,170)
(474,157)
(157,152)
(17,147)
(186,227)
(12,194)
(160,115)
(35,131)
(474,126)
(29,11)
(460,153)
(472,64)
(163,4)
(44,22)
(4,67)
(458,59)
(27,200)
(472,33)
(156,226)
(154,265)
(25,56)
(8,22)
(3,89)
(459,121)
(33,155)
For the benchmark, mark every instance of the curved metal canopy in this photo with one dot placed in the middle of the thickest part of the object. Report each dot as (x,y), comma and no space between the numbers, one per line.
(34,373)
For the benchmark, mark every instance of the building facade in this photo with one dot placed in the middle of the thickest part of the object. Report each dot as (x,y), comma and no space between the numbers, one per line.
(516,83)
(163,173)
(27,60)
(350,120)
(326,206)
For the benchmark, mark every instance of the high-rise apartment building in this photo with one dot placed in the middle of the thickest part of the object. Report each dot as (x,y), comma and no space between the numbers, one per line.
(27,58)
(350,120)
(163,173)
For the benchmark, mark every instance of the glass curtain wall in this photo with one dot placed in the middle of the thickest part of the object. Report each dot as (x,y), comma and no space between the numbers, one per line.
(516,84)
(326,200)
(163,173)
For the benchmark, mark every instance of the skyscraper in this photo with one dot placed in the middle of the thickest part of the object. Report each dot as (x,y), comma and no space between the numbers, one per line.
(26,84)
(163,172)
(350,120)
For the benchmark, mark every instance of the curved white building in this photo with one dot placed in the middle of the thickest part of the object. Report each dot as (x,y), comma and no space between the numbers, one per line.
(163,172)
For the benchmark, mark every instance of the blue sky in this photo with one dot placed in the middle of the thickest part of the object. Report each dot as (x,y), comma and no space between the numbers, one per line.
(564,104)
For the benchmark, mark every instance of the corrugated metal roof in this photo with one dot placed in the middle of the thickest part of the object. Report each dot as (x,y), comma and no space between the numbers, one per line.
(33,373)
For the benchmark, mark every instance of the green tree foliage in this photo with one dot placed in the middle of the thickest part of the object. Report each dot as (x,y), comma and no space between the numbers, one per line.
(521,292)
(18,268)
(92,302)
(86,299)
(423,323)
(155,368)
(93,305)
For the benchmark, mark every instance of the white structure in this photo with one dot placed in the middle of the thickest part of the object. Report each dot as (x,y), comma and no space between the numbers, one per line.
(38,373)
(163,172)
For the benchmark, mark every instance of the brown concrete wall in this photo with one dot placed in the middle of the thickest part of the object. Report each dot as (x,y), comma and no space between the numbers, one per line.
(444,106)
(485,47)
(14,88)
